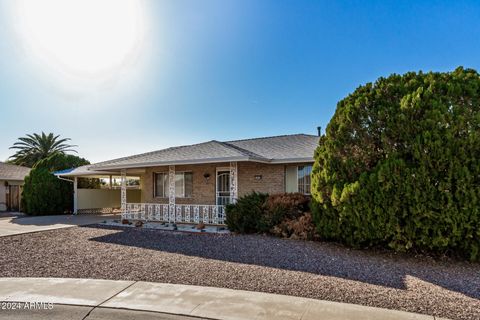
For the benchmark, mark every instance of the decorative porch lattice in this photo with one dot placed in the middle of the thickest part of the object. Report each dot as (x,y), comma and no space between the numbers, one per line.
(171,192)
(208,214)
(123,191)
(233,182)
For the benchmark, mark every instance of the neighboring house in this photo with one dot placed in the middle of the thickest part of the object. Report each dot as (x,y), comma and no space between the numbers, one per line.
(11,182)
(193,183)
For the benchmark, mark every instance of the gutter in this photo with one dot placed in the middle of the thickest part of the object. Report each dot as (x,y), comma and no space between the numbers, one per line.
(64,179)
(193,162)
(167,163)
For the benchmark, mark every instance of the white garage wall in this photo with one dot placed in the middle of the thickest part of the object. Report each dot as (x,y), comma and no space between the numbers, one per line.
(104,198)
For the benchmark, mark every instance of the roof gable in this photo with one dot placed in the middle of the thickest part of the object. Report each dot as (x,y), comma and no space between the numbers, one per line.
(211,151)
(280,148)
(299,147)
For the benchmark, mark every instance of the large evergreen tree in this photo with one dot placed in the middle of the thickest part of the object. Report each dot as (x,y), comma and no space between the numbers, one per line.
(400,165)
(44,193)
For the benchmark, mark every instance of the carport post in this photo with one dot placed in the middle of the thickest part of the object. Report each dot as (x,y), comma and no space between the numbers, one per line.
(75,195)
(123,192)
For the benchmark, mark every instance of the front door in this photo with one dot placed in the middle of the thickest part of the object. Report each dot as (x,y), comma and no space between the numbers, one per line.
(13,198)
(223,187)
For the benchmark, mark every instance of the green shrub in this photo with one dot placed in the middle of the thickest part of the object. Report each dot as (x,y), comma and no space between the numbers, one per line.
(245,216)
(45,194)
(399,165)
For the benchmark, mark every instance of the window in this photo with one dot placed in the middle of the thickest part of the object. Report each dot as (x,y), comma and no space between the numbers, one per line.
(161,185)
(183,185)
(304,179)
(297,179)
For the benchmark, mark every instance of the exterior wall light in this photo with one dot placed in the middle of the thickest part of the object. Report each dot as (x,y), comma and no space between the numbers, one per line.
(206,175)
(258,177)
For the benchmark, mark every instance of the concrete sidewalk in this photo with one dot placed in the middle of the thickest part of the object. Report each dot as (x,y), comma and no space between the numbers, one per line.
(25,224)
(184,300)
(63,311)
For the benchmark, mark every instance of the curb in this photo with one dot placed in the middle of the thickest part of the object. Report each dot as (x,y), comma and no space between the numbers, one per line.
(188,300)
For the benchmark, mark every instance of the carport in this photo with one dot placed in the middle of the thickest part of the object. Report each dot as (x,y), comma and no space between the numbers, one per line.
(106,199)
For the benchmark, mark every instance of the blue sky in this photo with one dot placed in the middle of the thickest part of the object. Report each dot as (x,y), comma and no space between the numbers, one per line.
(227,69)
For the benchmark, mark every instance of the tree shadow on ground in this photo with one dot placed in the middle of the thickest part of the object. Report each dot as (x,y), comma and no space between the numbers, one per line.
(320,258)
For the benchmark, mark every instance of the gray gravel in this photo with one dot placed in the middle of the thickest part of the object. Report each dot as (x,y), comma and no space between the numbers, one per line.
(250,262)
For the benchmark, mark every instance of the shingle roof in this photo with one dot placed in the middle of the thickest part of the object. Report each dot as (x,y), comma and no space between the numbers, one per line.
(12,172)
(287,148)
(280,148)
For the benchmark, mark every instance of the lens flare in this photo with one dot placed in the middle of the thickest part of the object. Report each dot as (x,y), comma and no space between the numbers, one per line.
(87,41)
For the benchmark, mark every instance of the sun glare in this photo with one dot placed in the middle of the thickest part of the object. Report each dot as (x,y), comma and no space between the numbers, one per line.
(82,39)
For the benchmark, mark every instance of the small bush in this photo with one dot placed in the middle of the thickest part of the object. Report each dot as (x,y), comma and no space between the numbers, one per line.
(246,215)
(258,212)
(301,228)
(285,206)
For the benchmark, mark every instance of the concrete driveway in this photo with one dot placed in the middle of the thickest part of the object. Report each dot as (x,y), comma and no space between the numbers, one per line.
(25,224)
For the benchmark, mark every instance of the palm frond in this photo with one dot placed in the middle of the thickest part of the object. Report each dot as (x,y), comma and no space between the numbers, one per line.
(34,147)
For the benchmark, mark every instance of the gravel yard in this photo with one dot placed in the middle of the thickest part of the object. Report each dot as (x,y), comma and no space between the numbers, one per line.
(308,269)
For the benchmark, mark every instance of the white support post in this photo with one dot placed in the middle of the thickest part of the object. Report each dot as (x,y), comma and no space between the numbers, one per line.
(171,193)
(75,195)
(233,182)
(123,192)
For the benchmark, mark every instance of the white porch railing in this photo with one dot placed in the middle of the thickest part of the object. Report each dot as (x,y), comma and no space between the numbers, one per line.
(176,213)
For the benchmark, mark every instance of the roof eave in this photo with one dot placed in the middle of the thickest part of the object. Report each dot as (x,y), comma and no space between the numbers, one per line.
(201,161)
(93,174)
(169,163)
(11,179)
(292,160)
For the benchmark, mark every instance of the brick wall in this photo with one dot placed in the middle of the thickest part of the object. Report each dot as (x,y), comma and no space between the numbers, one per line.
(272,181)
(272,178)
(203,191)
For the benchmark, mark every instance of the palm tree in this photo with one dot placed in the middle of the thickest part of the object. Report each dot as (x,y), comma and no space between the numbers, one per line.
(35,147)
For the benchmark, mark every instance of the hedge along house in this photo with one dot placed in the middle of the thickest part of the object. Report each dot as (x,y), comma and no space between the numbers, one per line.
(192,184)
(11,183)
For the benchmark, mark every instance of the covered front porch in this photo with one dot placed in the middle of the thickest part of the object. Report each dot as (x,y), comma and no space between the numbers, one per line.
(172,203)
(170,194)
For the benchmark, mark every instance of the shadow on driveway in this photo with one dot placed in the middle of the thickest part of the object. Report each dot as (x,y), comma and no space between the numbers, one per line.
(8,214)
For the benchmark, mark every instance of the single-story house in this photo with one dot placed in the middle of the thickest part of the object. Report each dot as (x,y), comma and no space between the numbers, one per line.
(193,183)
(11,182)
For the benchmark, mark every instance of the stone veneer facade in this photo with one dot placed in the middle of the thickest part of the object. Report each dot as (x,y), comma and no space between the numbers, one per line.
(272,181)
